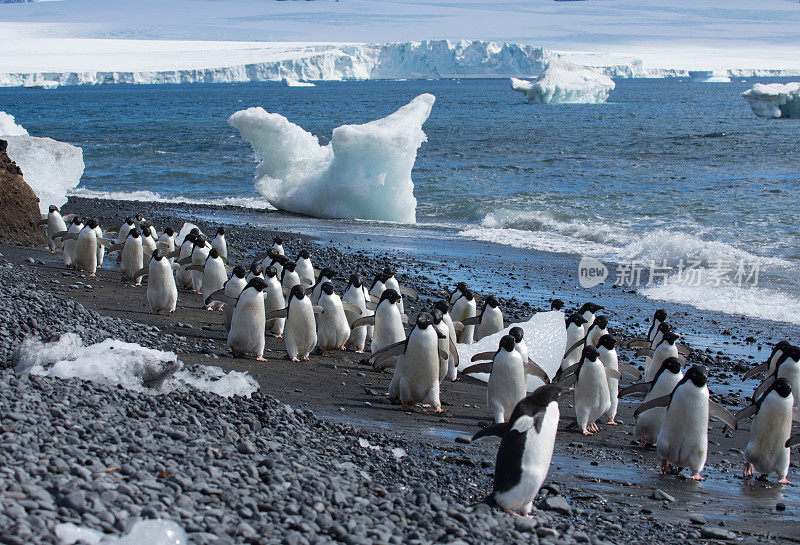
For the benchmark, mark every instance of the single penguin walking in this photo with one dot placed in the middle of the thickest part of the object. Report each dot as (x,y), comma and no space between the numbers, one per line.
(356,294)
(162,293)
(648,423)
(333,330)
(300,329)
(55,224)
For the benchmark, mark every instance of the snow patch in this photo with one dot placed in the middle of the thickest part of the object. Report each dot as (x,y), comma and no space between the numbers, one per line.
(774,99)
(563,82)
(363,173)
(150,532)
(114,362)
(50,167)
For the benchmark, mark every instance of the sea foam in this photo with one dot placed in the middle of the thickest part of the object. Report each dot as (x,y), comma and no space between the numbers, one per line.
(363,173)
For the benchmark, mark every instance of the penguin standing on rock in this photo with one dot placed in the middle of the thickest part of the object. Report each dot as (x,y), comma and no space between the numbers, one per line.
(233,288)
(183,278)
(387,322)
(787,366)
(256,271)
(166,242)
(132,257)
(767,451)
(305,269)
(200,253)
(277,246)
(526,448)
(214,276)
(576,331)
(683,439)
(606,350)
(221,245)
(588,311)
(325,275)
(69,244)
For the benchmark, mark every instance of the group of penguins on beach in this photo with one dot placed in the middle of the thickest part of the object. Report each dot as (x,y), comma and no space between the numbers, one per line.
(293,300)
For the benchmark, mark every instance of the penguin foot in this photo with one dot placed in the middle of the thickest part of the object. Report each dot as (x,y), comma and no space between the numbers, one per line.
(342,348)
(749,470)
(305,358)
(593,427)
(612,422)
(585,431)
(784,480)
(666,467)
(697,477)
(261,358)
(439,410)
(360,351)
(279,335)
(295,358)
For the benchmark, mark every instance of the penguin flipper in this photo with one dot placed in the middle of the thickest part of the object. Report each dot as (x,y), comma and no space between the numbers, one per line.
(790,442)
(629,370)
(42,221)
(637,343)
(68,218)
(644,352)
(755,370)
(533,368)
(234,251)
(275,314)
(261,256)
(404,318)
(458,326)
(374,299)
(364,320)
(185,261)
(715,410)
(747,412)
(613,373)
(478,368)
(662,401)
(405,290)
(567,380)
(220,296)
(483,356)
(454,352)
(495,429)
(115,248)
(64,235)
(570,370)
(443,355)
(175,253)
(141,272)
(195,268)
(393,350)
(574,346)
(763,386)
(105,242)
(682,349)
(638,388)
(472,320)
(350,307)
(371,306)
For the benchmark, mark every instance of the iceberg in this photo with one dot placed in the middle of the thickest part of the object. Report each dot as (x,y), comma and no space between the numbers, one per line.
(363,173)
(563,82)
(774,99)
(709,76)
(50,167)
(151,532)
(545,335)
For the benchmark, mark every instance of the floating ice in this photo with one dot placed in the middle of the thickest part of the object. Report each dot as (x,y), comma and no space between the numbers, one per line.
(363,173)
(545,335)
(114,362)
(774,99)
(150,532)
(291,82)
(709,76)
(8,126)
(563,82)
(50,167)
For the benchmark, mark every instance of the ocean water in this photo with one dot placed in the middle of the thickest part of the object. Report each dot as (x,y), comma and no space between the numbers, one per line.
(672,176)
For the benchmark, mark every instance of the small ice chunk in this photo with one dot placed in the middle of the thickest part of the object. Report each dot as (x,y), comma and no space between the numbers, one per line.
(363,173)
(774,99)
(143,532)
(563,82)
(50,167)
(363,443)
(398,452)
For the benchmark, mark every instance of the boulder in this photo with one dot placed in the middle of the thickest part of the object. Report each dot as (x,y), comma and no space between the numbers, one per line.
(19,206)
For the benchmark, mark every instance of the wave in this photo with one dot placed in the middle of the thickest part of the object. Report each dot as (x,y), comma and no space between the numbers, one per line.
(256,203)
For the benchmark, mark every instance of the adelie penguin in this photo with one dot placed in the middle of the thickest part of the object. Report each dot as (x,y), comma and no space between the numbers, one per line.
(233,288)
(300,329)
(333,330)
(277,246)
(166,242)
(356,294)
(490,320)
(305,269)
(200,252)
(588,311)
(183,278)
(214,277)
(607,352)
(648,423)
(148,241)
(390,281)
(576,332)
(416,371)
(447,322)
(257,271)
(526,448)
(592,398)
(132,257)
(445,343)
(290,278)
(462,310)
(220,244)
(767,451)
(75,227)
(683,439)
(126,227)
(85,249)
(55,224)
(162,293)
(325,275)
(274,300)
(387,322)
(787,366)
(246,335)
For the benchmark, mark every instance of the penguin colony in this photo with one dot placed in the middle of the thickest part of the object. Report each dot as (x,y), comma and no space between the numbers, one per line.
(292,300)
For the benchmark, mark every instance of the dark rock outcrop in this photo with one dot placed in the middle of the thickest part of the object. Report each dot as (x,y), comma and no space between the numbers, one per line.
(19,206)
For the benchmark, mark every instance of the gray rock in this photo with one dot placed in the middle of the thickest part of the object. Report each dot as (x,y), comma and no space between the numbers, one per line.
(559,504)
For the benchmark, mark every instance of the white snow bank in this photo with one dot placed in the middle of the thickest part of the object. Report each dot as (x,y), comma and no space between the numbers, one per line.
(114,362)
(149,532)
(363,173)
(50,167)
(709,76)
(9,128)
(545,335)
(774,99)
(564,82)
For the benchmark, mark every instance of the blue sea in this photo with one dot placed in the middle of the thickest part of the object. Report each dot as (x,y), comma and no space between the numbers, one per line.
(670,177)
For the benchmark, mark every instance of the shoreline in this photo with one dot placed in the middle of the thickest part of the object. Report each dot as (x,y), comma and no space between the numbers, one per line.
(614,493)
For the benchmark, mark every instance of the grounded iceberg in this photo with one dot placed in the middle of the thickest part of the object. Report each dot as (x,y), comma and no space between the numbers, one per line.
(709,76)
(363,173)
(774,99)
(563,82)
(50,167)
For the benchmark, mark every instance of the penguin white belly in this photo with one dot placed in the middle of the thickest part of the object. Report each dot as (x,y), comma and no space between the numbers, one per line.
(214,278)
(233,289)
(85,258)
(534,465)
(333,329)
(199,256)
(300,330)
(462,310)
(221,246)
(574,334)
(131,260)
(274,301)
(69,247)
(771,427)
(247,326)
(183,278)
(416,374)
(451,360)
(790,370)
(388,327)
(392,283)
(55,224)
(101,250)
(591,393)
(290,280)
(358,336)
(444,346)
(305,271)
(663,352)
(648,424)
(610,362)
(506,386)
(683,439)
(491,323)
(162,294)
